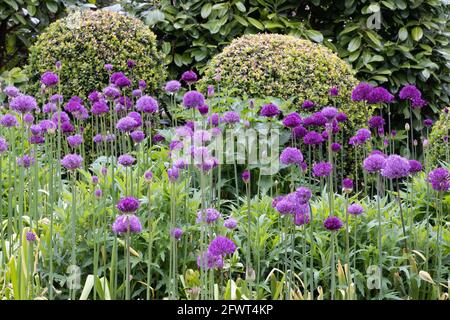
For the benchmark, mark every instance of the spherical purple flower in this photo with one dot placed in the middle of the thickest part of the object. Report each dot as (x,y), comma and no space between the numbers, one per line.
(409,92)
(303,194)
(347,185)
(94,96)
(56,98)
(301,218)
(26,161)
(414,166)
(148,176)
(231,117)
(142,84)
(322,169)
(73,105)
(177,233)
(173,174)
(98,138)
(98,193)
(376,122)
(11,91)
(30,236)
(72,161)
(329,112)
(189,77)
(332,223)
(37,139)
(127,223)
(203,109)
(172,86)
(108,67)
(147,104)
(193,99)
(395,167)
(269,110)
(126,160)
(284,205)
(209,216)
(99,107)
(334,91)
(23,103)
(214,119)
(49,79)
(28,118)
(374,163)
(221,246)
(210,91)
(111,92)
(418,103)
(313,138)
(307,104)
(355,209)
(122,82)
(137,136)
(427,122)
(209,261)
(439,179)
(335,147)
(47,126)
(128,205)
(291,156)
(75,140)
(126,124)
(299,132)
(316,119)
(292,120)
(379,95)
(230,223)
(276,200)
(131,63)
(67,127)
(246,176)
(3,145)
(361,92)
(341,117)
(49,107)
(363,135)
(157,138)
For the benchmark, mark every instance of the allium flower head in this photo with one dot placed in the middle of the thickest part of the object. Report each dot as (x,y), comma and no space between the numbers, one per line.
(26,161)
(361,91)
(316,119)
(111,92)
(291,156)
(214,119)
(72,161)
(122,82)
(108,66)
(3,145)
(49,107)
(409,92)
(379,95)
(209,216)
(347,184)
(148,175)
(363,135)
(418,103)
(439,179)
(128,205)
(75,140)
(427,122)
(303,194)
(126,160)
(292,120)
(285,205)
(269,110)
(30,236)
(221,246)
(313,138)
(98,193)
(189,77)
(173,174)
(230,223)
(137,136)
(49,79)
(329,112)
(172,86)
(322,169)
(307,104)
(99,107)
(193,99)
(28,118)
(335,147)
(23,103)
(131,63)
(126,222)
(374,163)
(332,223)
(414,166)
(355,209)
(395,167)
(209,261)
(11,91)
(210,91)
(177,233)
(301,218)
(126,124)
(231,117)
(246,176)
(341,117)
(376,122)
(334,91)
(147,104)
(299,132)
(203,109)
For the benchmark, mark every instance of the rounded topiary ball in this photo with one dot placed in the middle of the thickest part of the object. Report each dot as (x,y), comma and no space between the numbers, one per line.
(286,67)
(438,146)
(85,41)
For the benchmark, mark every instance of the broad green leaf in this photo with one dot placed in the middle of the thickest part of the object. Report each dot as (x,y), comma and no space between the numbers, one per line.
(206,10)
(354,44)
(374,38)
(12,4)
(240,6)
(241,20)
(52,7)
(314,35)
(153,17)
(88,285)
(417,33)
(402,34)
(166,46)
(374,7)
(256,23)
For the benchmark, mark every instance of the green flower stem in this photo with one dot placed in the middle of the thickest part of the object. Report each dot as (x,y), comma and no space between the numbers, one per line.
(150,243)
(401,214)
(380,244)
(332,266)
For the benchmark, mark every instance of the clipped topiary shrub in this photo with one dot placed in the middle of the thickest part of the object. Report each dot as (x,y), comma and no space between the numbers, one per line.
(438,147)
(85,41)
(281,66)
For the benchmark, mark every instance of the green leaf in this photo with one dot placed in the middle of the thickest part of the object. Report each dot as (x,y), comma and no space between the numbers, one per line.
(153,17)
(52,7)
(178,59)
(12,4)
(374,7)
(374,38)
(403,34)
(256,23)
(240,6)
(314,35)
(206,10)
(166,46)
(241,20)
(354,44)
(417,33)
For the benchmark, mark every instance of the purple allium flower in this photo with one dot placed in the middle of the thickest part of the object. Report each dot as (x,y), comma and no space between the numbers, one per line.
(379,95)
(363,135)
(3,145)
(137,136)
(418,103)
(285,205)
(147,104)
(94,180)
(56,98)
(329,112)
(72,161)
(301,218)
(126,160)
(122,82)
(181,163)
(23,103)
(30,236)
(347,185)
(73,105)
(291,156)
(276,200)
(439,179)
(175,145)
(299,132)
(230,223)
(209,261)
(131,63)
(246,176)
(201,136)
(334,91)
(210,216)
(75,140)
(49,107)
(99,107)
(28,118)
(303,194)
(58,65)
(335,147)
(189,77)
(126,222)
(395,167)
(108,67)
(322,169)
(332,223)
(49,79)
(414,166)
(292,120)
(172,86)
(355,209)
(111,92)
(148,176)
(142,84)
(376,122)
(11,91)
(374,163)
(183,131)
(126,124)
(313,138)
(341,117)
(173,174)
(203,109)
(213,119)
(61,117)
(67,127)
(193,99)
(47,125)
(269,110)
(157,138)
(128,205)
(210,91)
(98,138)
(307,104)
(37,139)
(26,161)
(361,92)
(409,92)
(316,119)
(94,96)
(231,117)
(427,122)
(98,193)
(177,233)
(221,246)
(136,93)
